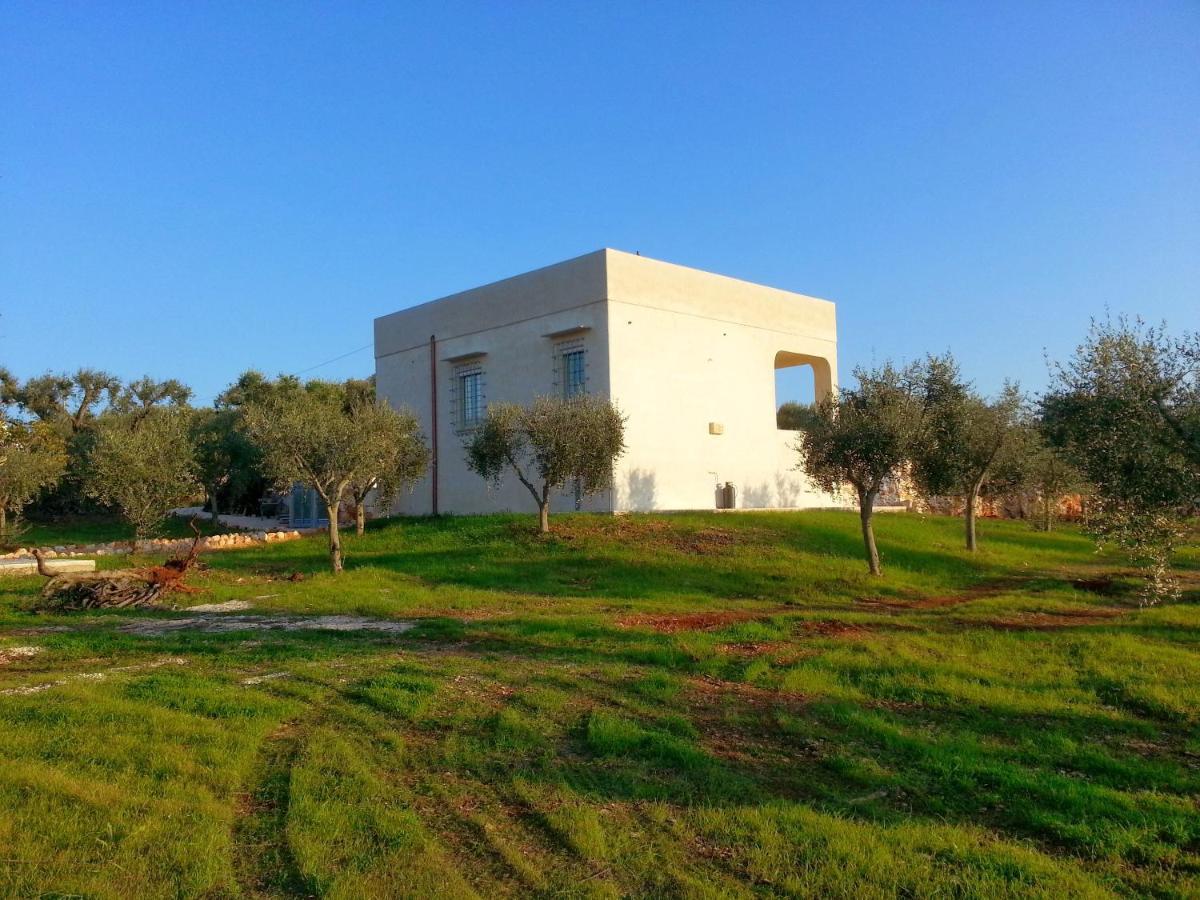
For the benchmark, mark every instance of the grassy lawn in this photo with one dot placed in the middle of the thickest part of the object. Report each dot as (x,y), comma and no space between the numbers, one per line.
(658,706)
(102,530)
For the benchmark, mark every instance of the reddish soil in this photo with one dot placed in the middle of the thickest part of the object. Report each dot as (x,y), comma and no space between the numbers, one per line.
(705,686)
(1035,621)
(670,624)
(978,592)
(830,628)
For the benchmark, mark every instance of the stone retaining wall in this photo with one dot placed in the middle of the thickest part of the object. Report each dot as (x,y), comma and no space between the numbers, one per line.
(231,541)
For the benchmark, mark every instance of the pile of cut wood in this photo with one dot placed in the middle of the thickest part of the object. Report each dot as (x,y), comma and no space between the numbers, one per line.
(116,588)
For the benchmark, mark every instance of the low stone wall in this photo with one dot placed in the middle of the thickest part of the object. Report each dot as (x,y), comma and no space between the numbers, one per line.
(231,541)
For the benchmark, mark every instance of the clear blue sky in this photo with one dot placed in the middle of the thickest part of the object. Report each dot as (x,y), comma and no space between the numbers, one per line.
(193,189)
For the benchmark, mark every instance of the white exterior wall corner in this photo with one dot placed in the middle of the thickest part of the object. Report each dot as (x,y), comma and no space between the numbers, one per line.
(689,348)
(674,347)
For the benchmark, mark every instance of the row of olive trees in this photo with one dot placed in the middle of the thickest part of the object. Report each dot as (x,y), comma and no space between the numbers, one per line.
(923,421)
(142,451)
(1121,420)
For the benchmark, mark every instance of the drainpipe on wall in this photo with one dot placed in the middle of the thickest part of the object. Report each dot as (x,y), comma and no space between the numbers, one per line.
(433,407)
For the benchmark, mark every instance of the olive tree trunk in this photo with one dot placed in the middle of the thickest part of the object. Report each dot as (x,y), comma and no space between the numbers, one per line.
(1047,511)
(335,539)
(360,516)
(544,511)
(969,516)
(866,510)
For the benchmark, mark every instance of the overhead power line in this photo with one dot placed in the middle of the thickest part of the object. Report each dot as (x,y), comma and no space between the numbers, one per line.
(336,358)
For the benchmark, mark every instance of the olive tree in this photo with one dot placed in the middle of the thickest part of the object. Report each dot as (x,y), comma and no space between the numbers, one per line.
(863,436)
(968,446)
(1125,410)
(144,466)
(314,436)
(392,454)
(32,457)
(220,446)
(548,444)
(70,404)
(1045,472)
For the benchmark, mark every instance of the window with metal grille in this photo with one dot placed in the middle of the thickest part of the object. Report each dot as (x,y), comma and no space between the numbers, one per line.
(469,397)
(574,379)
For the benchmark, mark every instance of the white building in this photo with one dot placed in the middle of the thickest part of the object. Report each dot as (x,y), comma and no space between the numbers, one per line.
(689,357)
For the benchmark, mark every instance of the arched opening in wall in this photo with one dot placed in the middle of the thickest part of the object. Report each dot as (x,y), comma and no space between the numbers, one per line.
(801,381)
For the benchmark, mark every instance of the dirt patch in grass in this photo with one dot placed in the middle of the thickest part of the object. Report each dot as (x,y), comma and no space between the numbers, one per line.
(1104,585)
(1037,621)
(976,592)
(670,624)
(750,648)
(707,686)
(831,628)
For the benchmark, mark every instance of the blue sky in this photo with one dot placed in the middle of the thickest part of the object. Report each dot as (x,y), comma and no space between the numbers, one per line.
(191,190)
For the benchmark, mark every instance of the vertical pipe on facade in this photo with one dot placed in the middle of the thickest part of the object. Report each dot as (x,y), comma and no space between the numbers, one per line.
(433,407)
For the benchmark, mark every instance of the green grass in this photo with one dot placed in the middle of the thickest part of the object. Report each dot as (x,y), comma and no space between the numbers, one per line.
(688,705)
(100,530)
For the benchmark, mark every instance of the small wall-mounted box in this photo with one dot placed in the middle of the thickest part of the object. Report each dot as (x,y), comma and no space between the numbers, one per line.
(716,428)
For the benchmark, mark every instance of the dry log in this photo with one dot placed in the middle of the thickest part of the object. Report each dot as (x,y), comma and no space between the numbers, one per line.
(119,588)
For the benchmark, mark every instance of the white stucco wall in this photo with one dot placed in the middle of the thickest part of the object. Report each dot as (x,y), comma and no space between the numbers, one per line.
(676,348)
(690,348)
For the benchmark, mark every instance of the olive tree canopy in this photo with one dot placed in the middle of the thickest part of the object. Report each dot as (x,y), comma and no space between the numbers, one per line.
(32,457)
(1125,410)
(144,466)
(548,444)
(392,452)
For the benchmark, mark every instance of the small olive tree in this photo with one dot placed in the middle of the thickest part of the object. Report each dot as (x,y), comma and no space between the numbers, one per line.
(863,435)
(968,446)
(392,455)
(315,436)
(548,444)
(144,466)
(1047,476)
(32,457)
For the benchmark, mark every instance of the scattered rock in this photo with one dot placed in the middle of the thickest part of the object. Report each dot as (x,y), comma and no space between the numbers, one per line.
(8,654)
(227,606)
(270,676)
(25,690)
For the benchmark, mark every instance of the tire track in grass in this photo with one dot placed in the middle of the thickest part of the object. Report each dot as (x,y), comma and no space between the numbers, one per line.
(263,861)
